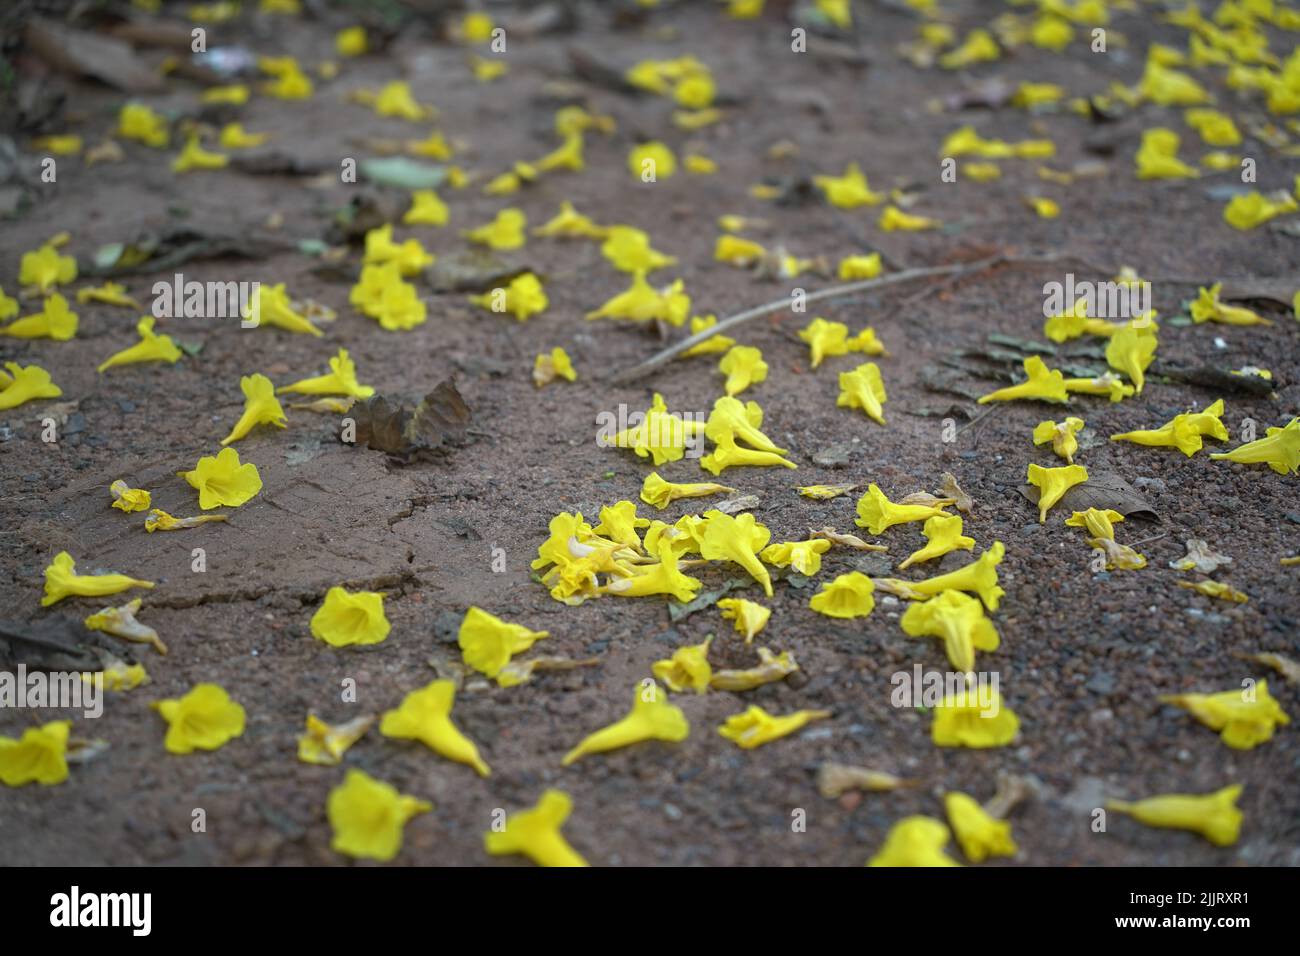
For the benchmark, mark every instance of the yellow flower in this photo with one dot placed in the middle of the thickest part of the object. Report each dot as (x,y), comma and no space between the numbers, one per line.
(399,306)
(506,231)
(476,28)
(805,557)
(894,219)
(342,380)
(958,620)
(700,165)
(1100,524)
(54,321)
(979,577)
(1183,432)
(653,159)
(427,209)
(943,534)
(1045,208)
(1217,129)
(749,618)
(979,834)
(1061,435)
(863,388)
(658,492)
(965,142)
(137,121)
(728,454)
(160,520)
(982,172)
(1168,87)
(272,306)
(547,367)
(642,303)
(1108,384)
(222,480)
(117,676)
(687,669)
(1044,384)
(110,293)
(1074,322)
(1207,308)
(434,146)
(1213,815)
(876,512)
(410,256)
(756,727)
(40,756)
(261,407)
(733,420)
(1029,95)
(661,435)
(193,156)
(628,249)
(1254,209)
(1053,483)
(121,622)
(963,720)
(351,41)
(350,617)
(396,99)
(849,190)
(619,523)
(25,384)
(367,817)
(129,499)
(570,224)
(204,719)
(744,366)
(62,580)
(652,718)
(1157,156)
(235,94)
(1245,717)
(151,348)
(536,833)
(915,841)
(978,47)
(848,596)
(737,251)
(487,642)
(324,744)
(66,145)
(9,308)
(1280,449)
(825,339)
(860,267)
(425,715)
(661,578)
(44,268)
(716,343)
(737,538)
(523,297)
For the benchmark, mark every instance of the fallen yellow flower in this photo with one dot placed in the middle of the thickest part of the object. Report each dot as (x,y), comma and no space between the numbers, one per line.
(1100,524)
(1061,435)
(756,727)
(1213,815)
(272,306)
(964,720)
(628,250)
(110,293)
(427,209)
(658,492)
(1254,209)
(979,834)
(652,160)
(771,669)
(487,643)
(737,538)
(341,380)
(138,122)
(848,596)
(222,480)
(849,190)
(324,744)
(744,366)
(54,321)
(1208,308)
(876,512)
(193,156)
(642,303)
(62,580)
(958,620)
(894,219)
(652,718)
(536,833)
(547,367)
(687,669)
(129,499)
(25,384)
(749,618)
(367,817)
(1216,589)
(204,719)
(805,557)
(1157,156)
(506,231)
(1279,449)
(1053,483)
(151,348)
(261,407)
(523,297)
(661,435)
(39,756)
(979,577)
(943,535)
(1246,718)
(863,388)
(1043,384)
(425,715)
(570,224)
(1183,432)
(121,622)
(915,841)
(1108,384)
(347,617)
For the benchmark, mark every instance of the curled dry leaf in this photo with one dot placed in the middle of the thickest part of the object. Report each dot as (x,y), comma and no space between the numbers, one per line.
(950,489)
(848,540)
(439,421)
(835,779)
(926,499)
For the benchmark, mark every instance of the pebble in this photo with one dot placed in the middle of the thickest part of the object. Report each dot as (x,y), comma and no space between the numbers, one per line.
(1101,682)
(126,405)
(1154,484)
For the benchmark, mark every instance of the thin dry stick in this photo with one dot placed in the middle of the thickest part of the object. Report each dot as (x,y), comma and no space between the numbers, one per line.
(837,291)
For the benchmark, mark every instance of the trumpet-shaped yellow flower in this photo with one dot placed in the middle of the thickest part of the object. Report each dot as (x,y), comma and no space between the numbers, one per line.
(39,756)
(1061,435)
(661,578)
(523,297)
(1213,815)
(536,833)
(351,41)
(1279,449)
(1246,718)
(1208,308)
(410,256)
(325,744)
(1157,156)
(1254,209)
(1184,432)
(568,223)
(652,718)
(121,622)
(863,388)
(350,617)
(433,146)
(1043,384)
(848,596)
(367,817)
(1108,384)
(290,83)
(744,366)
(979,834)
(894,219)
(737,538)
(642,303)
(261,407)
(876,512)
(9,308)
(738,251)
(756,727)
(860,267)
(717,343)
(943,535)
(151,348)
(749,618)
(1100,524)
(117,676)
(619,522)
(341,380)
(1169,87)
(915,841)
(25,384)
(396,99)
(110,293)
(54,321)
(964,720)
(129,499)
(506,231)
(979,577)
(160,520)
(978,47)
(658,492)
(487,643)
(427,209)
(62,580)
(138,122)
(825,339)
(867,343)
(687,669)
(425,715)
(1074,322)
(204,719)
(236,94)
(966,142)
(548,366)
(1216,129)
(193,156)
(223,481)
(728,454)
(958,620)
(804,557)
(661,435)
(737,421)
(628,250)
(1053,483)
(272,306)
(849,190)
(651,161)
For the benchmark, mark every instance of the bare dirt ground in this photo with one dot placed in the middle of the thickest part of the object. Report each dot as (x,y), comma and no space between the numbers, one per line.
(1084,655)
